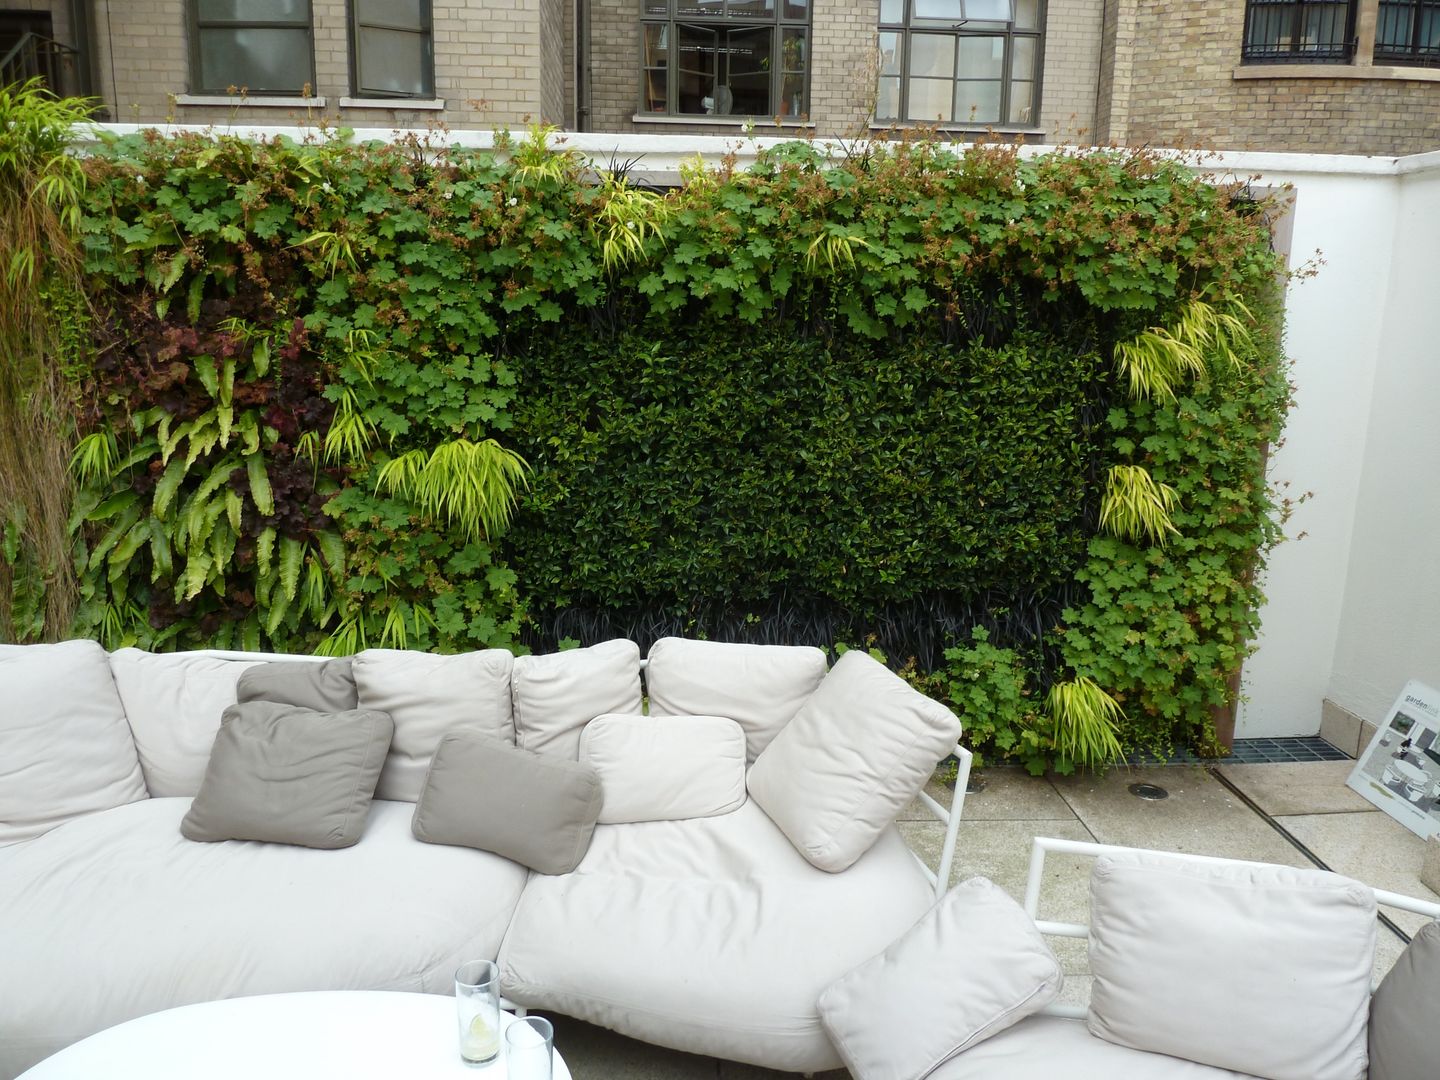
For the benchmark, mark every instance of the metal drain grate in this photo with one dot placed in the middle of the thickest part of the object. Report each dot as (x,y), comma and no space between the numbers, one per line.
(1255,752)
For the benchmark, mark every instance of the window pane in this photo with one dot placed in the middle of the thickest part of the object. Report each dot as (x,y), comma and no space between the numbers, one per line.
(656,87)
(887,98)
(793,52)
(797,9)
(892,11)
(746,59)
(1022,98)
(392,62)
(1393,29)
(700,8)
(792,96)
(261,61)
(890,53)
(1271,26)
(1027,14)
(982,57)
(1022,58)
(949,10)
(656,7)
(1324,26)
(932,54)
(404,14)
(695,57)
(296,11)
(931,100)
(656,45)
(977,102)
(750,8)
(987,10)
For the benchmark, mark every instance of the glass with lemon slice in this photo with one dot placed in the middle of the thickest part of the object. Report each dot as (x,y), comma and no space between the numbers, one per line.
(477,1001)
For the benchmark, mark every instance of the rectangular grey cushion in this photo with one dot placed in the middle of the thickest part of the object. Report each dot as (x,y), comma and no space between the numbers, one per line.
(290,775)
(1402,1013)
(480,792)
(327,686)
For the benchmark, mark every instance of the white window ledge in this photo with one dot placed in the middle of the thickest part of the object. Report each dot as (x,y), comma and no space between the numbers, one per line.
(961,129)
(709,120)
(434,104)
(236,100)
(1376,72)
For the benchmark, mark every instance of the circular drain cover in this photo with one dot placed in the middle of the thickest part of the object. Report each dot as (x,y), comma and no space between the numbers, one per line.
(975,784)
(1148,792)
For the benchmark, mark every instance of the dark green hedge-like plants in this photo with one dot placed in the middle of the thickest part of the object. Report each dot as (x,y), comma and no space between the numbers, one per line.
(1002,418)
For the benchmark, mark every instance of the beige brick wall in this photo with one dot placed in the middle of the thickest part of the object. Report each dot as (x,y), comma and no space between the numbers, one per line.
(1182,90)
(1073,35)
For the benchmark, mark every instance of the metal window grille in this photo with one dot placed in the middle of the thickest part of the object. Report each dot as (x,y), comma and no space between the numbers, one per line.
(725,58)
(256,46)
(392,48)
(974,64)
(1299,31)
(1408,32)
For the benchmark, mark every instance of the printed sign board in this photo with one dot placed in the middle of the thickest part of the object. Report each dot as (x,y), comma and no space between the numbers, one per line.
(1400,770)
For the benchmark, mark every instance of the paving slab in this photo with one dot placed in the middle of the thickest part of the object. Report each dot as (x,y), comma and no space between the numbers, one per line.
(1373,848)
(1299,787)
(1006,795)
(1200,816)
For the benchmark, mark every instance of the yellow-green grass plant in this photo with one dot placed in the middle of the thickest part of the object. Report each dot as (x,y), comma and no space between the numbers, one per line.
(1136,507)
(472,485)
(1085,720)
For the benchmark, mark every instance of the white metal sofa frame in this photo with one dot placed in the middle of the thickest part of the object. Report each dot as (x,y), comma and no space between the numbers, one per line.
(1043,845)
(939,878)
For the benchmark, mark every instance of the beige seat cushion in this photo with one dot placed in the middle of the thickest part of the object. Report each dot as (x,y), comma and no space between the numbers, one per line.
(116,915)
(665,768)
(557,694)
(1049,1048)
(760,687)
(710,935)
(65,748)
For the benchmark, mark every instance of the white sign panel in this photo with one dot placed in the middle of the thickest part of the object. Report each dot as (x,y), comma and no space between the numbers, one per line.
(1400,770)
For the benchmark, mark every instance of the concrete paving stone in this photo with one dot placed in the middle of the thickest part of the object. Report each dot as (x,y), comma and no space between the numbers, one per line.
(1008,795)
(1301,787)
(1200,816)
(1373,848)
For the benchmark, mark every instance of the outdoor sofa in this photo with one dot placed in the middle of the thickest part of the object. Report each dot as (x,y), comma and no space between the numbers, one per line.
(745,858)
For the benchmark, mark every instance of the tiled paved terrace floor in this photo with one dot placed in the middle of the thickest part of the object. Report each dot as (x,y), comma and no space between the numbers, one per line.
(1202,815)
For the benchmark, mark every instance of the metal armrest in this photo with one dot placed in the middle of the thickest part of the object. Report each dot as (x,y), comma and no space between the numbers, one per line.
(940,877)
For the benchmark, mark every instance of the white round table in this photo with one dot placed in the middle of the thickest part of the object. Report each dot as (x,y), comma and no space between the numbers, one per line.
(334,1033)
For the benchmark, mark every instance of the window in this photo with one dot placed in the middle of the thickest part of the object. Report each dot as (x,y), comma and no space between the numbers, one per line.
(726,57)
(1303,31)
(260,46)
(392,48)
(1408,32)
(965,62)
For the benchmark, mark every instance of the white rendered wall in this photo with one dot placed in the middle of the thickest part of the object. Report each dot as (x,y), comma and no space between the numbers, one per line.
(1390,623)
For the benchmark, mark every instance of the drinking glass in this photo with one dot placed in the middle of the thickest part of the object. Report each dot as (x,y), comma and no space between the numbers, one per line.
(529,1048)
(477,1003)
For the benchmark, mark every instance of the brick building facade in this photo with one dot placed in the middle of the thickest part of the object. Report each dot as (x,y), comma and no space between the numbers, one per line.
(1304,75)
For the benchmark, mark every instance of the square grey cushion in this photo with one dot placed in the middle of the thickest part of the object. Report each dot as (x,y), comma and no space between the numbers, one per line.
(1257,968)
(537,809)
(1402,1013)
(971,967)
(327,686)
(289,775)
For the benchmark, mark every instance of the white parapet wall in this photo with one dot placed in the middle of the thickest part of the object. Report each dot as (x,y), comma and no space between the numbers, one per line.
(1353,596)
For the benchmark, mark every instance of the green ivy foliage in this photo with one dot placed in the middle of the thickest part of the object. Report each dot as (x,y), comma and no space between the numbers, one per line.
(876,387)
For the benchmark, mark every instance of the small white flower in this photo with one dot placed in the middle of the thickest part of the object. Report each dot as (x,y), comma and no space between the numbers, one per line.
(449,194)
(514,201)
(630,225)
(325,186)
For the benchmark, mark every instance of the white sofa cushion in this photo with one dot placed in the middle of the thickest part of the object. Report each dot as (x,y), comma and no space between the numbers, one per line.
(974,965)
(665,768)
(1049,1048)
(1258,968)
(116,915)
(854,755)
(557,694)
(427,695)
(710,935)
(174,702)
(760,687)
(65,749)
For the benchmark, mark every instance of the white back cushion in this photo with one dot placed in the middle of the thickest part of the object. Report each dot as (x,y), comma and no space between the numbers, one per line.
(665,768)
(427,695)
(760,687)
(1261,969)
(173,702)
(557,694)
(65,749)
(854,755)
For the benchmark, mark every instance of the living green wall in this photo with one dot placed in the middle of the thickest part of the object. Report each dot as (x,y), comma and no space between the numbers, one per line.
(1001,418)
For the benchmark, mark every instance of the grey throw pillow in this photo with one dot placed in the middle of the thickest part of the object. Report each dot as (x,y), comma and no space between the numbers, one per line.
(290,775)
(1402,1012)
(535,809)
(328,686)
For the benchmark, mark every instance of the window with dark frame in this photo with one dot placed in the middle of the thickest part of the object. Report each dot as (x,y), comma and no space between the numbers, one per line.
(1408,33)
(1299,31)
(725,57)
(392,49)
(964,63)
(258,46)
